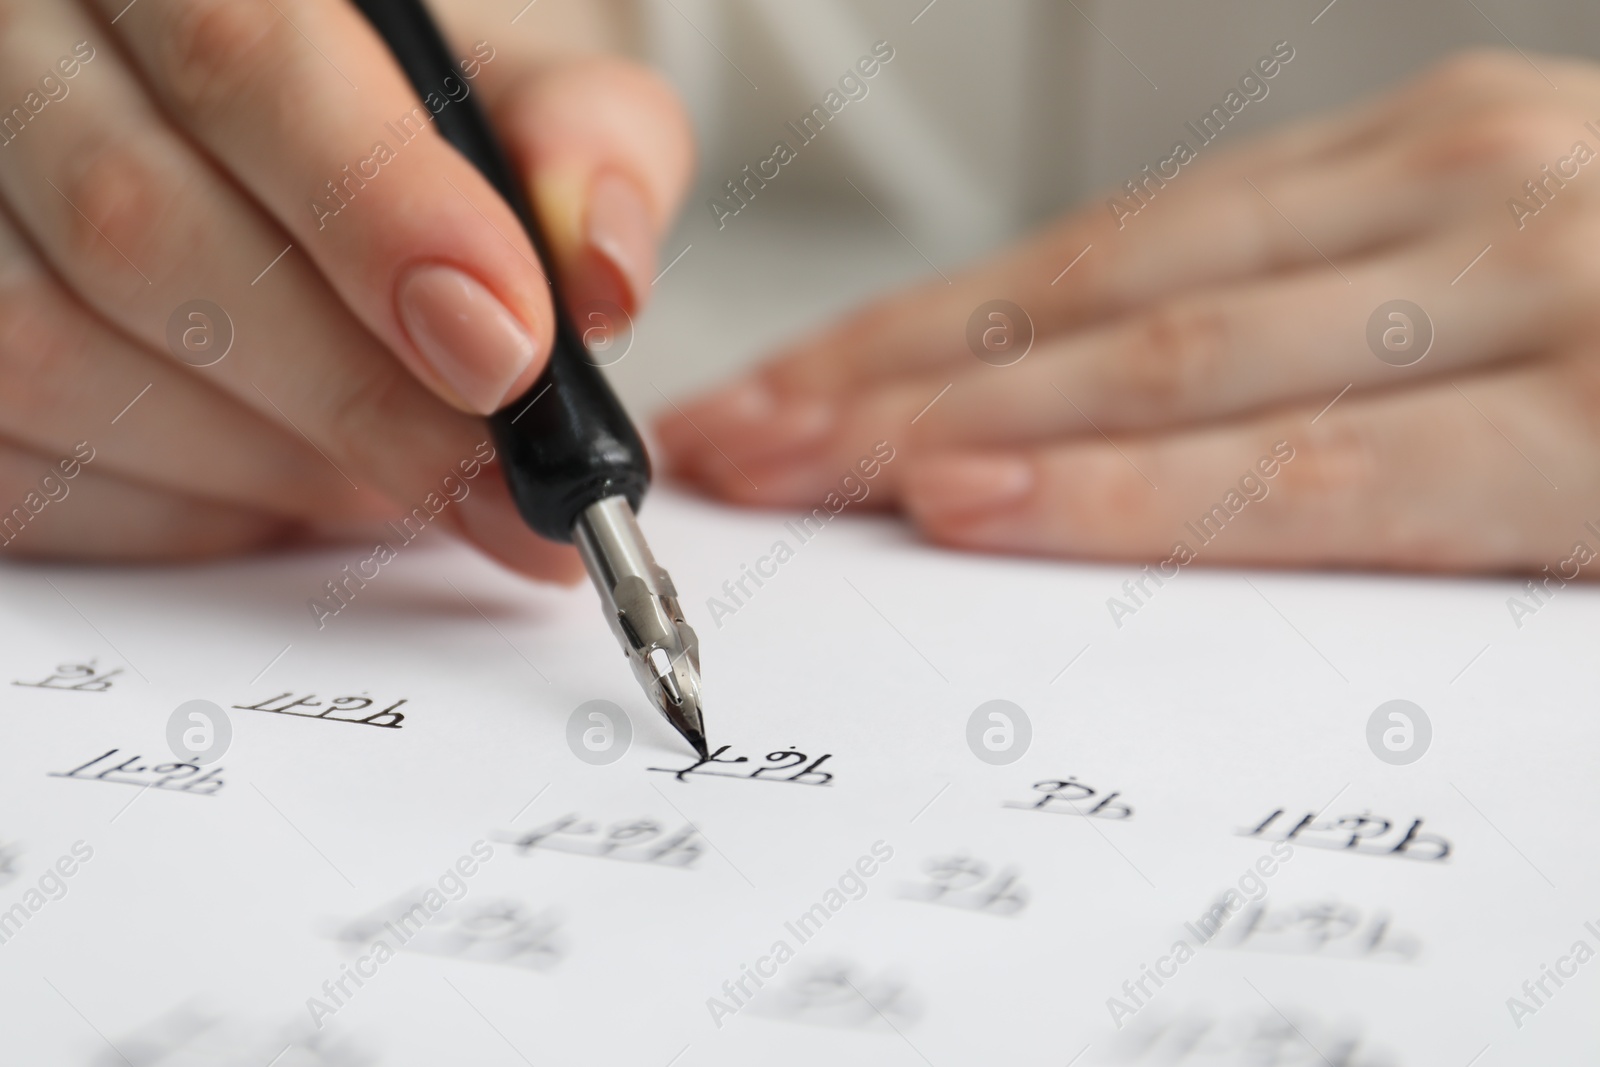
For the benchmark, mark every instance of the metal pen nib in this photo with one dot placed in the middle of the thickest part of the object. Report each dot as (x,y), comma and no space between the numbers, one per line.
(639,598)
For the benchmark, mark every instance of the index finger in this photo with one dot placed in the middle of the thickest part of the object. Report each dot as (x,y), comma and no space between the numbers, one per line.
(303,104)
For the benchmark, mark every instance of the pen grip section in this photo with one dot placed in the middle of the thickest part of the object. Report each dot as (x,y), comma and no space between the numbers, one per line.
(567,442)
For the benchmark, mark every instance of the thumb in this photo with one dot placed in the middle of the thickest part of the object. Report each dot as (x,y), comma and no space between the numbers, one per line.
(607,153)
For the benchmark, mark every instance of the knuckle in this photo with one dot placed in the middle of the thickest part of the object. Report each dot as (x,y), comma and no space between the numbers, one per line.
(365,407)
(206,58)
(121,200)
(1333,465)
(1173,353)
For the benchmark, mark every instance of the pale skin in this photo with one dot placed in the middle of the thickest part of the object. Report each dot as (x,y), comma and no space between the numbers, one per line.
(183,154)
(1172,357)
(1207,328)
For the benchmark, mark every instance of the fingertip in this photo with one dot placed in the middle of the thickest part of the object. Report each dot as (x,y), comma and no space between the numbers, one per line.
(969,485)
(676,441)
(685,430)
(971,500)
(744,400)
(618,258)
(561,565)
(669,429)
(606,150)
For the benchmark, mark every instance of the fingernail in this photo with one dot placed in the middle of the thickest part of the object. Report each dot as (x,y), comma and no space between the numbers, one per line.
(750,400)
(620,258)
(475,347)
(748,424)
(681,427)
(775,423)
(797,425)
(974,485)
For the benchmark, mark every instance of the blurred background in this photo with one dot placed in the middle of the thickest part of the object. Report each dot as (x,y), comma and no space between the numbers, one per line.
(993,116)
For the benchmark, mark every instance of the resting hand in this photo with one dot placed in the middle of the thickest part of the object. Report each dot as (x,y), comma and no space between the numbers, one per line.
(1233,321)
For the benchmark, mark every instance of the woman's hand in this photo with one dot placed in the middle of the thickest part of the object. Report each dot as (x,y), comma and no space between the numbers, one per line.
(1242,314)
(270,158)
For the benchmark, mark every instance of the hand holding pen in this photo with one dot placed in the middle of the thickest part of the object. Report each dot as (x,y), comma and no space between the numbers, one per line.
(180,152)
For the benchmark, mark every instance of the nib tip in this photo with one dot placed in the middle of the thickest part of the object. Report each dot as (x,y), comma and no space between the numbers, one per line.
(700,747)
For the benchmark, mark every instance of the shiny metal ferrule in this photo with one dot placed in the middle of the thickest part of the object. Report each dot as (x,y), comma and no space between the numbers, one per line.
(642,607)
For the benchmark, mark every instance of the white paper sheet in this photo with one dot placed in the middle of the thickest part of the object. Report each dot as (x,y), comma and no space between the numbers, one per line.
(203,924)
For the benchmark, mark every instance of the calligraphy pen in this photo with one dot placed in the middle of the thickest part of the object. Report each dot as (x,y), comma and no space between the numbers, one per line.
(576,466)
